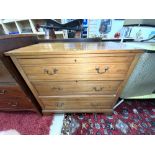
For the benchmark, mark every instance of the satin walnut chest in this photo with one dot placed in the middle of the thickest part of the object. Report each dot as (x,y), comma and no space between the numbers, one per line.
(76,77)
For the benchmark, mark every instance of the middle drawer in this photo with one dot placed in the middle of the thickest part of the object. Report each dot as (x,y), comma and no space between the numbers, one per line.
(76,88)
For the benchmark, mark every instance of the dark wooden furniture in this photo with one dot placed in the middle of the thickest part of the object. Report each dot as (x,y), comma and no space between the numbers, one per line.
(15,95)
(76,77)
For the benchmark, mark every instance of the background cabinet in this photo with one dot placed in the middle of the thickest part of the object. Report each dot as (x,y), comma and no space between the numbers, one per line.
(14,93)
(26,26)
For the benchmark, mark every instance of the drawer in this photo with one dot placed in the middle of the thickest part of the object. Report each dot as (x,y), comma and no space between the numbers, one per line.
(76,88)
(5,76)
(73,59)
(11,91)
(90,102)
(108,71)
(15,103)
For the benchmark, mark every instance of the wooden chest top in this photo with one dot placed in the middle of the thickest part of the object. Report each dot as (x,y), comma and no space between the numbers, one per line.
(75,48)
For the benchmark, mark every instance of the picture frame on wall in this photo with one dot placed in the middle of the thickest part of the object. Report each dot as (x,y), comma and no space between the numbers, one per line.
(104,28)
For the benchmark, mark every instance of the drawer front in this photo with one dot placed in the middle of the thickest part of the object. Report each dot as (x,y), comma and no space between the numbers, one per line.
(115,71)
(11,91)
(5,76)
(76,88)
(15,103)
(72,60)
(78,103)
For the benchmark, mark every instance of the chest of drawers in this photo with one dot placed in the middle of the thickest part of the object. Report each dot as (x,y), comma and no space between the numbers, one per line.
(76,77)
(14,93)
(11,95)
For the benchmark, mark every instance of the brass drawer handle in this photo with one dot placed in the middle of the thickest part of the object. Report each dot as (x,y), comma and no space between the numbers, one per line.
(104,70)
(2,92)
(13,104)
(54,71)
(60,104)
(99,89)
(57,88)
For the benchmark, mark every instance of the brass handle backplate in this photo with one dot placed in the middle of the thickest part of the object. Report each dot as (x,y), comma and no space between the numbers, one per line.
(13,104)
(57,88)
(2,92)
(104,70)
(54,71)
(98,89)
(60,104)
(96,104)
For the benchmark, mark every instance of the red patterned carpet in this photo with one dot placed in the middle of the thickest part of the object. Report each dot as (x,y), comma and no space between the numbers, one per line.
(132,117)
(26,123)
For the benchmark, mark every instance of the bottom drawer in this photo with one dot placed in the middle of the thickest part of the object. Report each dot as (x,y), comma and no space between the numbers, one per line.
(15,103)
(80,103)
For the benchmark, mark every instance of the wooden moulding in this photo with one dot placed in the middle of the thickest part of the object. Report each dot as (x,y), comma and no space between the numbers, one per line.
(105,111)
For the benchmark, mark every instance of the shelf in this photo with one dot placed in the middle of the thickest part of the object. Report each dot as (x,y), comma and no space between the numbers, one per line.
(27,33)
(40,33)
(59,32)
(5,21)
(8,21)
(2,30)
(11,28)
(20,20)
(40,22)
(24,26)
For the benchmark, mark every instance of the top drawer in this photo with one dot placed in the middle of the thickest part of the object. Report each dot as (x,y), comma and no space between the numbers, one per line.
(5,76)
(71,60)
(11,91)
(85,71)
